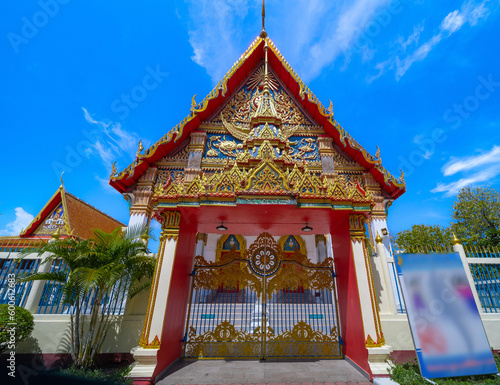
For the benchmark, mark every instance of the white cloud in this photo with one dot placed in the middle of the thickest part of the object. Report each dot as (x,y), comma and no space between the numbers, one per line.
(112,142)
(475,169)
(418,139)
(312,34)
(470,162)
(91,120)
(477,12)
(402,65)
(23,219)
(452,22)
(412,39)
(453,188)
(342,31)
(104,182)
(214,33)
(470,13)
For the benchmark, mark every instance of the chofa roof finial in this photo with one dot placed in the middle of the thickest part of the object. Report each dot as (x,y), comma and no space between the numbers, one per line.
(263,33)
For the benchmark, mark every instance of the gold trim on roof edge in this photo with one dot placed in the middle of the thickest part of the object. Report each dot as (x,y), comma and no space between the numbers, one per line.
(38,216)
(60,190)
(65,208)
(222,87)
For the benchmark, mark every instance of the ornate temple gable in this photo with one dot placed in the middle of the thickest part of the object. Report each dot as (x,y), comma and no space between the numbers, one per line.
(272,179)
(239,109)
(56,221)
(231,100)
(68,215)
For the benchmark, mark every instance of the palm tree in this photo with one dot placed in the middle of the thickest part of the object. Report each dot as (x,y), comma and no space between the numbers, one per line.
(71,252)
(108,265)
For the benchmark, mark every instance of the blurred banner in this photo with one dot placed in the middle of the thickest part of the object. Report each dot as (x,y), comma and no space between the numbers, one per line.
(447,330)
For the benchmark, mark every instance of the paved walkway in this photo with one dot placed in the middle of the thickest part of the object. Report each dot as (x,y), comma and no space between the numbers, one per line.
(327,372)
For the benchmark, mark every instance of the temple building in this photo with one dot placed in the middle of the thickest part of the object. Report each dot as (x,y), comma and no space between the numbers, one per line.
(274,228)
(64,215)
(274,241)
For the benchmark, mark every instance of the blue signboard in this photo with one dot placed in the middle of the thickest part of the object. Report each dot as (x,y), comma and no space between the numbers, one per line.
(208,316)
(445,323)
(315,316)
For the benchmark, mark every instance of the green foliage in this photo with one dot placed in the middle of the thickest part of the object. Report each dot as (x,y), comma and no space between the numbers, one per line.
(408,373)
(107,265)
(423,236)
(475,221)
(110,377)
(476,216)
(23,321)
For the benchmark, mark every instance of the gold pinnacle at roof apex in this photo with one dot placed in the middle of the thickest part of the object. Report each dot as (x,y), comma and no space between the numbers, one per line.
(263,33)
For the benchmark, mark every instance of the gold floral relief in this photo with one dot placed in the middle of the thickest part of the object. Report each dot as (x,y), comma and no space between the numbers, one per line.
(222,342)
(288,111)
(225,341)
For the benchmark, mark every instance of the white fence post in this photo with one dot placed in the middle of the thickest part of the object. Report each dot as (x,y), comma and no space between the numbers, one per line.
(37,287)
(457,247)
(387,284)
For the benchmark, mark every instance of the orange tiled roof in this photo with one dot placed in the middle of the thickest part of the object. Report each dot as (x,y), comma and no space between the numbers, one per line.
(76,218)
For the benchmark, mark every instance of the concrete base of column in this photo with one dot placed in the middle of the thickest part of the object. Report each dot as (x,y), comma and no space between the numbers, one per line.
(144,365)
(377,359)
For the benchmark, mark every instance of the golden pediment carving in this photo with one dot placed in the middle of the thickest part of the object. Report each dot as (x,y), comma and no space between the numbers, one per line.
(271,176)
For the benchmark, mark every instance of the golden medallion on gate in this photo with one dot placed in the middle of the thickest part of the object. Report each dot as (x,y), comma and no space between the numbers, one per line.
(264,262)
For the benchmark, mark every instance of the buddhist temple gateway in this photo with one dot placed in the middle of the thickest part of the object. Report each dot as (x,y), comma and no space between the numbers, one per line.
(270,212)
(274,242)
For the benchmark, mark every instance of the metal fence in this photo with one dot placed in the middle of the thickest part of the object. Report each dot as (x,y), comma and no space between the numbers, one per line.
(10,270)
(52,300)
(484,264)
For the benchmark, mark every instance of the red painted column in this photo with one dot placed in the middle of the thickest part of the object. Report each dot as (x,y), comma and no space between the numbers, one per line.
(351,321)
(178,296)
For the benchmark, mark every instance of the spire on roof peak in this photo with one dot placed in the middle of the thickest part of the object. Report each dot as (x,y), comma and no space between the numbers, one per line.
(62,182)
(263,33)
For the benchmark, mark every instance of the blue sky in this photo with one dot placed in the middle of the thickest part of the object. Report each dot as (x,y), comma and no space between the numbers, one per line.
(84,81)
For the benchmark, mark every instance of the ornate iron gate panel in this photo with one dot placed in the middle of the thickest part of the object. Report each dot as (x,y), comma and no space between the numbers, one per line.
(265,304)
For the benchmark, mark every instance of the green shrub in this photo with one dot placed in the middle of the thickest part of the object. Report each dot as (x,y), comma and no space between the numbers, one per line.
(16,324)
(408,373)
(116,376)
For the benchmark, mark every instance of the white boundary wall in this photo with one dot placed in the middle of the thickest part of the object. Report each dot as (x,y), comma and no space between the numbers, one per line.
(397,330)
